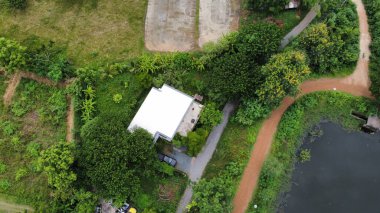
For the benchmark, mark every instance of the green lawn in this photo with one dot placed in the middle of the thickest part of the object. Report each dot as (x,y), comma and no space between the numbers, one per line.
(93,30)
(34,121)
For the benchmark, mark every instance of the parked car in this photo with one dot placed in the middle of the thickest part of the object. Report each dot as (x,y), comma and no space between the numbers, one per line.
(167,159)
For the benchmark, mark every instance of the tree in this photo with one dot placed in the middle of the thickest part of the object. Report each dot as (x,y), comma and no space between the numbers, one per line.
(259,41)
(114,159)
(251,110)
(233,72)
(273,6)
(12,54)
(210,116)
(320,48)
(214,195)
(283,74)
(56,162)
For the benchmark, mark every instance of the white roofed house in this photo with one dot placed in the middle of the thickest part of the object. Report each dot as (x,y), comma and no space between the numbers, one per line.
(165,112)
(293,4)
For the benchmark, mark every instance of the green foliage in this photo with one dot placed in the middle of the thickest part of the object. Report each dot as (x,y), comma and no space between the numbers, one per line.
(117,98)
(57,106)
(16,4)
(305,155)
(33,149)
(20,173)
(47,59)
(84,201)
(8,127)
(114,160)
(3,168)
(250,111)
(143,201)
(196,140)
(332,44)
(273,6)
(88,104)
(166,169)
(56,162)
(282,75)
(215,195)
(373,8)
(12,55)
(298,119)
(210,116)
(4,185)
(233,72)
(259,41)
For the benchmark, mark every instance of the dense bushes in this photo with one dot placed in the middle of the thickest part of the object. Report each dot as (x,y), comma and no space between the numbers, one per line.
(13,4)
(215,195)
(373,11)
(113,159)
(233,70)
(333,43)
(305,113)
(12,55)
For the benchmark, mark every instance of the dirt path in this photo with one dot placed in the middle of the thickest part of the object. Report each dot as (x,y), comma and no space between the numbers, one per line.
(11,89)
(356,84)
(13,208)
(15,81)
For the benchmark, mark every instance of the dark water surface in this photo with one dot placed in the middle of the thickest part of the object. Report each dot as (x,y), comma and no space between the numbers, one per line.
(342,176)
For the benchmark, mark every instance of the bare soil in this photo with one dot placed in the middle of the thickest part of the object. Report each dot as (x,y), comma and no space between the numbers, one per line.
(356,84)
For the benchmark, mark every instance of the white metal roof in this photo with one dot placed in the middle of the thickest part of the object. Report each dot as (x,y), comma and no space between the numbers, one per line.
(162,111)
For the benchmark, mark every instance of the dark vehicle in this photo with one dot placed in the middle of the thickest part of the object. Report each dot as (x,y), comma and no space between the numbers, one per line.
(98,209)
(167,159)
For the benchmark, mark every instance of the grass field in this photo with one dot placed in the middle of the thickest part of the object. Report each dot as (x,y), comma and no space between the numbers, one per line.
(92,30)
(34,121)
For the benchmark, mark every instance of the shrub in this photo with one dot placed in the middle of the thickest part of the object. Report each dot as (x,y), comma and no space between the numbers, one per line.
(117,98)
(3,168)
(33,149)
(143,201)
(12,55)
(196,140)
(305,155)
(210,116)
(9,128)
(250,111)
(20,173)
(4,185)
(215,195)
(17,4)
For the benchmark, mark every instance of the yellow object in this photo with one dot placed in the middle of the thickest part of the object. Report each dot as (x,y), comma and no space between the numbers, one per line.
(132,210)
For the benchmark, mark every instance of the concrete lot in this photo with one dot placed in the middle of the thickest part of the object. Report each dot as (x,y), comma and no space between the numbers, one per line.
(216,18)
(170,25)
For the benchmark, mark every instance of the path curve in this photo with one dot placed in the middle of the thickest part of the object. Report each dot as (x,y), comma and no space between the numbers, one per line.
(15,81)
(357,84)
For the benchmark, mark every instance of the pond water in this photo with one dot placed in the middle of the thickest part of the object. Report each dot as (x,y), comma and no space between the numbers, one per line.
(343,174)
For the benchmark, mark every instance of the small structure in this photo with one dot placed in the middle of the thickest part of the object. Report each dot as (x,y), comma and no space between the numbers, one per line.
(373,122)
(165,112)
(293,4)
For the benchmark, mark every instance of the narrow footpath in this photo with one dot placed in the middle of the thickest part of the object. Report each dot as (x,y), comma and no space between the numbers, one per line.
(356,84)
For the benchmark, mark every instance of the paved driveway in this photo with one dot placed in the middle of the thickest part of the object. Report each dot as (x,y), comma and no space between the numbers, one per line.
(170,25)
(217,18)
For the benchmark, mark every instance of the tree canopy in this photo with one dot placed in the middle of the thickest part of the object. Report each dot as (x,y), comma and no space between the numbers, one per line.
(114,159)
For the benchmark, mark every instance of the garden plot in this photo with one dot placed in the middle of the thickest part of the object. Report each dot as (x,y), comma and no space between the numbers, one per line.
(170,25)
(217,18)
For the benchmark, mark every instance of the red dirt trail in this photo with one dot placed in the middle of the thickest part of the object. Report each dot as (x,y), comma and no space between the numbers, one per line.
(356,84)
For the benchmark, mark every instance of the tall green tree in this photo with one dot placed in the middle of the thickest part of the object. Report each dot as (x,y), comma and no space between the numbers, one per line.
(56,162)
(114,160)
(283,74)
